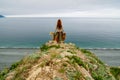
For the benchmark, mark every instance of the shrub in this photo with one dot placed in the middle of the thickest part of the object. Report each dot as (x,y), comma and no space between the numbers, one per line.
(72,52)
(3,73)
(116,72)
(75,59)
(74,75)
(13,66)
(85,51)
(45,47)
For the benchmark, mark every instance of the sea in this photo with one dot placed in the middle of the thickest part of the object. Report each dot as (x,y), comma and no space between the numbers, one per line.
(21,36)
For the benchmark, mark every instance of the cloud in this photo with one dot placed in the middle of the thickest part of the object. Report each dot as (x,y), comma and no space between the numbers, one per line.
(60,7)
(104,13)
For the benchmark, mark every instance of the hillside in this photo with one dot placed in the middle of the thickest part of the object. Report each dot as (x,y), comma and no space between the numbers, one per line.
(62,61)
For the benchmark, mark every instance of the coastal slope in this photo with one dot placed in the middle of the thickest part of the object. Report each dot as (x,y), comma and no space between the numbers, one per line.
(63,61)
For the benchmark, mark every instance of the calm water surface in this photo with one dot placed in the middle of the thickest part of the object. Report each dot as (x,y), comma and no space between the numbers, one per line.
(90,33)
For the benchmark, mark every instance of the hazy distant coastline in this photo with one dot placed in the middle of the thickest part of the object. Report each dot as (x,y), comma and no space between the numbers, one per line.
(1,16)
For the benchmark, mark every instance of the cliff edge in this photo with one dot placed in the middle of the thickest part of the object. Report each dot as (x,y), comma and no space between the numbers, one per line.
(62,61)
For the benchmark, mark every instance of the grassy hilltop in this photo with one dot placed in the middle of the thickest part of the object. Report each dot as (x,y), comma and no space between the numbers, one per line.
(60,62)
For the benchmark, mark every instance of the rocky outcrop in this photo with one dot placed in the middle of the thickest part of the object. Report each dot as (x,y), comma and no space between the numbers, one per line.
(60,62)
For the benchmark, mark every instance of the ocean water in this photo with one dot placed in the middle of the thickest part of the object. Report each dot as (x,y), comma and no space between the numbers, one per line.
(100,35)
(110,57)
(85,32)
(10,56)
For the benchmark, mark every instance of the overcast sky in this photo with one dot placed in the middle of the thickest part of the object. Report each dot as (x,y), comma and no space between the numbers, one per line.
(62,8)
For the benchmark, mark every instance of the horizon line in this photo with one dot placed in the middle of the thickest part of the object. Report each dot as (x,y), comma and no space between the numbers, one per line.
(35,16)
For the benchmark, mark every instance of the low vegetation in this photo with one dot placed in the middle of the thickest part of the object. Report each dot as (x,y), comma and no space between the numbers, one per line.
(116,72)
(60,62)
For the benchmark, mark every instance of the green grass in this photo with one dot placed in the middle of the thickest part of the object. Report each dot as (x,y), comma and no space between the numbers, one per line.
(13,66)
(25,64)
(62,70)
(116,72)
(45,47)
(57,78)
(74,75)
(75,59)
(72,52)
(101,73)
(3,73)
(89,54)
(35,56)
(96,76)
(55,55)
